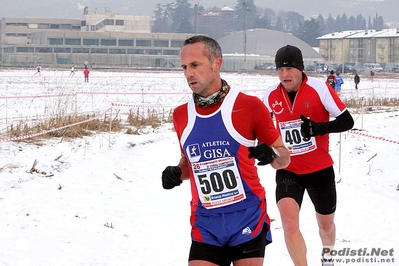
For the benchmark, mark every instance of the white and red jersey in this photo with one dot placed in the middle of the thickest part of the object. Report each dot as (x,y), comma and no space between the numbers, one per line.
(315,100)
(215,141)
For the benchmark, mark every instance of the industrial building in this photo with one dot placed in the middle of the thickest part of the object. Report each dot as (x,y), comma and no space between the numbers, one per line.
(103,39)
(110,40)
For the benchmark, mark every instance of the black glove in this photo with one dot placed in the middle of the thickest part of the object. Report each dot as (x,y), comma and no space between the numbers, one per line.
(171,177)
(263,153)
(311,128)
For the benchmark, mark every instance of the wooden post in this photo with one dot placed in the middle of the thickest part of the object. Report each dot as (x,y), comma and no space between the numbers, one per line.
(110,128)
(339,150)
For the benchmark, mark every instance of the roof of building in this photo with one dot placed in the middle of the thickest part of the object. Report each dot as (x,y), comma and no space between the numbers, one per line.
(357,34)
(226,8)
(263,42)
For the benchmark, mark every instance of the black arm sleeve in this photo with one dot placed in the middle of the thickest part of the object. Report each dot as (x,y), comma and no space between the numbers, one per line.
(341,123)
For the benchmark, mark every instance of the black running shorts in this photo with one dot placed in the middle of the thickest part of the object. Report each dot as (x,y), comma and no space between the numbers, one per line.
(223,256)
(320,186)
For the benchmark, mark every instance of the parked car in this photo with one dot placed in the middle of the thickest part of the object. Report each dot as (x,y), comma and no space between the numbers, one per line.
(265,66)
(375,67)
(327,68)
(347,68)
(310,68)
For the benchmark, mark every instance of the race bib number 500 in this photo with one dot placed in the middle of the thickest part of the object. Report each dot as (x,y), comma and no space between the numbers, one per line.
(218,182)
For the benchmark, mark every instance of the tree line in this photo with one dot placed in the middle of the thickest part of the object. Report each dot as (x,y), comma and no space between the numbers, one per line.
(183,17)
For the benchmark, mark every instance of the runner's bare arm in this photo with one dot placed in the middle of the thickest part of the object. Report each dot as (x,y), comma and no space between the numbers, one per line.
(183,164)
(284,159)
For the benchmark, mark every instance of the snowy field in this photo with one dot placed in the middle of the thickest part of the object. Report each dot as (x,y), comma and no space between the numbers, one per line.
(98,200)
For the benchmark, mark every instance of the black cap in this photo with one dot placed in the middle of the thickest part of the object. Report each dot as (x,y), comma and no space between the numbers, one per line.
(289,56)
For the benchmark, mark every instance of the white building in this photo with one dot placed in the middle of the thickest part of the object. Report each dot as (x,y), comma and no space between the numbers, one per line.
(104,39)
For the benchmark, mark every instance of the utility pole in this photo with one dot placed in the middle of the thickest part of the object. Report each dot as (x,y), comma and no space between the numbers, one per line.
(196,18)
(196,10)
(245,30)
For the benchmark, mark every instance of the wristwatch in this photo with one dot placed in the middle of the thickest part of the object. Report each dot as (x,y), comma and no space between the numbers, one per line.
(276,153)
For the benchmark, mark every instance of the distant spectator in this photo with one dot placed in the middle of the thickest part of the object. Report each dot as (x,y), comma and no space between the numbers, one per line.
(331,79)
(86,73)
(338,84)
(72,71)
(357,80)
(371,75)
(38,70)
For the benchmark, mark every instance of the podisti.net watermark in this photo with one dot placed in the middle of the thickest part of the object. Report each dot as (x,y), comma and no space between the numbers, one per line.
(360,255)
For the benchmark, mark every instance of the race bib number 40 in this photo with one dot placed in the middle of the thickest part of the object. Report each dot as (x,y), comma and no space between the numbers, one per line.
(218,182)
(293,139)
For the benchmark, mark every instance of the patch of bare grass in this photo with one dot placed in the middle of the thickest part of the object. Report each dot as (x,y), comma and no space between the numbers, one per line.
(138,119)
(358,103)
(135,120)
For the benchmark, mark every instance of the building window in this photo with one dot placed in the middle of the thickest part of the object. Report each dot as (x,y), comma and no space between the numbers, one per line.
(43,26)
(44,49)
(25,49)
(33,26)
(145,43)
(171,52)
(161,43)
(108,42)
(135,51)
(119,22)
(72,41)
(8,49)
(117,51)
(176,43)
(154,51)
(17,34)
(83,23)
(66,26)
(109,22)
(16,24)
(55,26)
(99,51)
(62,50)
(80,50)
(125,42)
(90,41)
(55,41)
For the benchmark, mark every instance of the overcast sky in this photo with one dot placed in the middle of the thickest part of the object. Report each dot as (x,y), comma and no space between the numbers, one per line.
(74,8)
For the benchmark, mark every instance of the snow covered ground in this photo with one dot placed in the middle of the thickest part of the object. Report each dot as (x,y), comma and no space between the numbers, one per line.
(98,200)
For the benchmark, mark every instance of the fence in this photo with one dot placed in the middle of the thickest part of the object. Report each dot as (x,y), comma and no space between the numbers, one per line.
(61,105)
(27,98)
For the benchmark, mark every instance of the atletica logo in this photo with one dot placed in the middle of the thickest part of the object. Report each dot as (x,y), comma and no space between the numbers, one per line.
(194,152)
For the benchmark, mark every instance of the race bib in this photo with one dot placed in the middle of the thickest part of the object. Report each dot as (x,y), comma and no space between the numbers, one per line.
(218,182)
(293,139)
